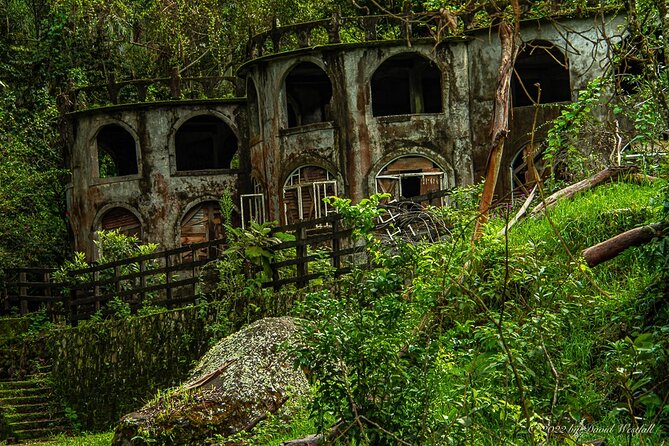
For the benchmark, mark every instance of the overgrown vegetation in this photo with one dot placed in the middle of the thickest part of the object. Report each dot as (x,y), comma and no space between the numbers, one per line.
(113,246)
(510,340)
(513,341)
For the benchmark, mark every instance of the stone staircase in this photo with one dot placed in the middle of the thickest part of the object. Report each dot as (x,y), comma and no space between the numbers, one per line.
(28,411)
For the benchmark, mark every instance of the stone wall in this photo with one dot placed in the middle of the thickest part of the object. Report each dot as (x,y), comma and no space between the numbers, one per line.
(105,370)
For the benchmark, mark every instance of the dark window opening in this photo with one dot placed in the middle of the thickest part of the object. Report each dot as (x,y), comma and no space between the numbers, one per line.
(117,152)
(540,63)
(406,84)
(308,95)
(122,220)
(254,114)
(205,142)
(409,177)
(411,186)
(634,65)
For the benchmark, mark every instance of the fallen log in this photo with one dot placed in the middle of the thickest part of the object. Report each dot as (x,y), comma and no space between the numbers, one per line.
(311,440)
(604,176)
(608,249)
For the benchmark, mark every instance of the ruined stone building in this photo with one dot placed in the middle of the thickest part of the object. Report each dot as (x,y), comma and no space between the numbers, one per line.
(320,115)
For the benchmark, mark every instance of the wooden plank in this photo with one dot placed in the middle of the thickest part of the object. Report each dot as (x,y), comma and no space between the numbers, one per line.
(109,296)
(305,278)
(40,299)
(186,266)
(155,255)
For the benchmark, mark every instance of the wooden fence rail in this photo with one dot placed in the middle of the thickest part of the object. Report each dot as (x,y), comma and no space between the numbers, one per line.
(170,278)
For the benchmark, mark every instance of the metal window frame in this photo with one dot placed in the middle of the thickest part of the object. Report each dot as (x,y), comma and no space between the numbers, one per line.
(399,176)
(254,208)
(323,209)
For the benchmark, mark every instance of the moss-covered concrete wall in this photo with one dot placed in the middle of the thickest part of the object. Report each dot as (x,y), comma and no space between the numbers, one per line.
(107,369)
(21,351)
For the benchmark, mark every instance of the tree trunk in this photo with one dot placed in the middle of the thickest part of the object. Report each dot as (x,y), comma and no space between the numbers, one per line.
(500,121)
(601,177)
(610,248)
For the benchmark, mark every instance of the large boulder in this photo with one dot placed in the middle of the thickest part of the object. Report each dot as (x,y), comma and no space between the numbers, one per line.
(236,384)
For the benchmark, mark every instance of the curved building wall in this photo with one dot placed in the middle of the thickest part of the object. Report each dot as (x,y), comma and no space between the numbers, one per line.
(158,193)
(445,93)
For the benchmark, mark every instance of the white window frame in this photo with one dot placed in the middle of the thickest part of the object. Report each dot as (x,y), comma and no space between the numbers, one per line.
(256,208)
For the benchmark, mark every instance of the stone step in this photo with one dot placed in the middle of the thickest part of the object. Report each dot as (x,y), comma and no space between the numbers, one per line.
(30,412)
(24,384)
(40,407)
(22,391)
(34,434)
(40,412)
(23,400)
(42,423)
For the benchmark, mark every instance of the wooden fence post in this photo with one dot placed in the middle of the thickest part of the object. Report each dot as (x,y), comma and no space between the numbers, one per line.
(193,267)
(336,244)
(70,307)
(142,279)
(168,278)
(275,277)
(46,280)
(96,289)
(175,83)
(23,292)
(301,253)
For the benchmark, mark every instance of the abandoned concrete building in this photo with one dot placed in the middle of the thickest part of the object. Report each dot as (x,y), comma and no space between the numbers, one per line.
(392,113)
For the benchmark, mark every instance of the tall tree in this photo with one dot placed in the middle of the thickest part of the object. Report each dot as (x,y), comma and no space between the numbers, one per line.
(509,36)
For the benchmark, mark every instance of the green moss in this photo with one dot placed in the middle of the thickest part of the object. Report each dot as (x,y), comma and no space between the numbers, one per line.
(107,369)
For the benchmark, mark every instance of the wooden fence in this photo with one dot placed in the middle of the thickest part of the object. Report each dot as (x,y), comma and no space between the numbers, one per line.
(171,278)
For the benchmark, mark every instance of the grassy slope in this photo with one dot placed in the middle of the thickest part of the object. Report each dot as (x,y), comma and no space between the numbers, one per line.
(584,316)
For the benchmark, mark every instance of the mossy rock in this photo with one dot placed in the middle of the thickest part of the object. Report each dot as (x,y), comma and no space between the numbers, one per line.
(238,382)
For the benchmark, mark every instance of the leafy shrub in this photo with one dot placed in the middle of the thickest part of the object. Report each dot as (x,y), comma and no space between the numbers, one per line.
(114,246)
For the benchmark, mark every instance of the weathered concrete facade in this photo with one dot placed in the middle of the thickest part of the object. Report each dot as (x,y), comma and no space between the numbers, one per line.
(158,195)
(350,119)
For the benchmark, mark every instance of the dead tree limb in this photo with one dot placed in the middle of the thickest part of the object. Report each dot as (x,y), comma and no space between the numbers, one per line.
(520,213)
(509,37)
(610,248)
(605,175)
(311,440)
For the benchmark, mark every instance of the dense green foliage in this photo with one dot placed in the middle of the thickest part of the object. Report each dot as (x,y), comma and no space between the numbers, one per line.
(513,341)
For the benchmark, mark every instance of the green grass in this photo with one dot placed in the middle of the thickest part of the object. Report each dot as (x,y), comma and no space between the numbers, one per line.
(103,439)
(591,217)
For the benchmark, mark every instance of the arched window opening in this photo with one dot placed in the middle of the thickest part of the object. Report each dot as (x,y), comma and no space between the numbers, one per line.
(633,64)
(524,175)
(202,223)
(122,220)
(253,107)
(540,62)
(303,194)
(406,84)
(308,95)
(117,152)
(205,142)
(409,177)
